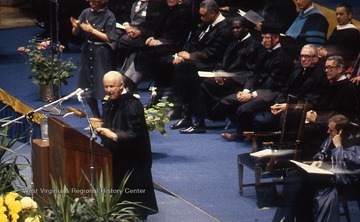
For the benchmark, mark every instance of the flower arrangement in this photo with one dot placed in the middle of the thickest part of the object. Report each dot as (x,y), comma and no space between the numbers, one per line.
(14,209)
(156,115)
(47,66)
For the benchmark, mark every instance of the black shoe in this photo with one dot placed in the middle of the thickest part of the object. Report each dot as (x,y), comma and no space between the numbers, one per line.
(233,136)
(195,128)
(182,123)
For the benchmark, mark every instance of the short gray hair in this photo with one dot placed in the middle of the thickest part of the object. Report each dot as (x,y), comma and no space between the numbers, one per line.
(312,48)
(210,6)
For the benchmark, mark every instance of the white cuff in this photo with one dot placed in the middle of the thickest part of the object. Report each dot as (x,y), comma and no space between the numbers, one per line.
(254,94)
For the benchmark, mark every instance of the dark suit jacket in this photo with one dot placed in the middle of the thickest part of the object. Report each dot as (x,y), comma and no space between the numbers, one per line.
(173,28)
(209,50)
(139,16)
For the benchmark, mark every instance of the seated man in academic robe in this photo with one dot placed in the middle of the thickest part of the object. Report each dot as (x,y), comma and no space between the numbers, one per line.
(345,38)
(270,75)
(300,187)
(342,97)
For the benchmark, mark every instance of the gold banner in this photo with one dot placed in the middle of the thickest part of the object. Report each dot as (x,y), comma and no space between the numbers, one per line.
(19,106)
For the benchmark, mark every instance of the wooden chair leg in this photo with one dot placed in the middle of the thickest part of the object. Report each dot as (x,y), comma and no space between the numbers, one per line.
(241,176)
(257,170)
(254,144)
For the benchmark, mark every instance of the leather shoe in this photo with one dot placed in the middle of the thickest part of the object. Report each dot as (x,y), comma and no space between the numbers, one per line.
(232,136)
(182,123)
(195,128)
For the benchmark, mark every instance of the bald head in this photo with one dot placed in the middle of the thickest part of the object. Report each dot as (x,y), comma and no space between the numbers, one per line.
(115,76)
(113,84)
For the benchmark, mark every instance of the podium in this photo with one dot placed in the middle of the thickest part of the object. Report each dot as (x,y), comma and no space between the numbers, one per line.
(66,157)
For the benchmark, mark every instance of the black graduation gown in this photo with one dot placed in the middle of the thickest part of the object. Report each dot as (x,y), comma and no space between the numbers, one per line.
(313,86)
(239,58)
(132,151)
(345,43)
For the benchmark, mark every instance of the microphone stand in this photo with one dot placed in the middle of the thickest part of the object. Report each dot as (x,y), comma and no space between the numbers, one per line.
(29,116)
(35,110)
(53,110)
(93,138)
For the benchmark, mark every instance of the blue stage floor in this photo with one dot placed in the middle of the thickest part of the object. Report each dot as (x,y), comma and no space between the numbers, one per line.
(199,170)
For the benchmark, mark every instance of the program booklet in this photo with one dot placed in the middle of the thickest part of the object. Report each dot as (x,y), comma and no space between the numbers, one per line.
(311,169)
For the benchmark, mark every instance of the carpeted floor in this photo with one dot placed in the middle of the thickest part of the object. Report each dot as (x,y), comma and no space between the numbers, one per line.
(200,170)
(195,175)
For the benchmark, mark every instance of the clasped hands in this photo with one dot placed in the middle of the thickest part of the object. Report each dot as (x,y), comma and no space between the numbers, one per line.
(181,57)
(243,97)
(278,108)
(131,32)
(97,123)
(86,27)
(152,42)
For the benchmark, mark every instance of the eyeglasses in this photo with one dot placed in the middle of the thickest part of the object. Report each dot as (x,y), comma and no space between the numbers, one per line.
(330,68)
(307,56)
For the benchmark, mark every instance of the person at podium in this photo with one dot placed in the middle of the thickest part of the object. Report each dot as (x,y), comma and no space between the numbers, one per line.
(123,130)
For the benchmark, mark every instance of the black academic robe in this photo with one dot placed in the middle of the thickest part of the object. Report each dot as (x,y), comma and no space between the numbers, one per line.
(345,43)
(240,59)
(132,151)
(272,72)
(310,84)
(298,182)
(270,75)
(341,98)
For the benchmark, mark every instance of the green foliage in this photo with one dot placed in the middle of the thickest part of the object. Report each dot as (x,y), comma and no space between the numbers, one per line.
(10,176)
(156,115)
(40,60)
(102,205)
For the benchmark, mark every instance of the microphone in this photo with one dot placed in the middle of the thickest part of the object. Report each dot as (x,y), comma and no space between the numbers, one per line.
(86,92)
(78,91)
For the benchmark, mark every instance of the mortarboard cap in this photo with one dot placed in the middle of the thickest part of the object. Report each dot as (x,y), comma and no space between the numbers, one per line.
(273,28)
(253,17)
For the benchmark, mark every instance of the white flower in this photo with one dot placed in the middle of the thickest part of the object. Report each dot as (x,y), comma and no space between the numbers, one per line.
(153,90)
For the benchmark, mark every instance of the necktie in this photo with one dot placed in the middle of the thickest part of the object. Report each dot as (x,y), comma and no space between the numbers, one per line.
(204,32)
(138,5)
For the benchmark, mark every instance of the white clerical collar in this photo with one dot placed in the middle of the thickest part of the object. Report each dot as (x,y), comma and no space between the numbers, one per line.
(220,18)
(308,9)
(275,47)
(347,26)
(341,78)
(246,37)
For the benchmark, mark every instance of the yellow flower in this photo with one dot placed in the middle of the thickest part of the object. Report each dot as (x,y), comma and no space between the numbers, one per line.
(28,203)
(3,209)
(32,219)
(14,206)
